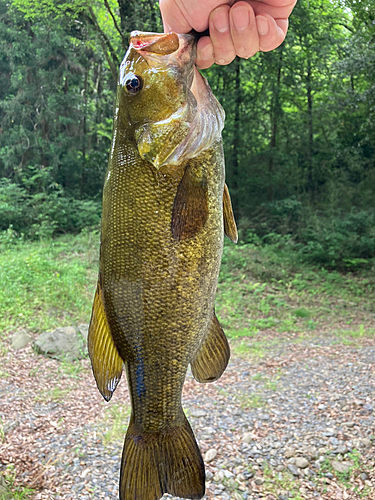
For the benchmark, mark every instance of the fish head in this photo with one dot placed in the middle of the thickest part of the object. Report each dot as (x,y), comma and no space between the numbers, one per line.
(161,93)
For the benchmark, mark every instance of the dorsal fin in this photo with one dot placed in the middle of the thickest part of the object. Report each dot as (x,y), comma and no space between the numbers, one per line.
(230,228)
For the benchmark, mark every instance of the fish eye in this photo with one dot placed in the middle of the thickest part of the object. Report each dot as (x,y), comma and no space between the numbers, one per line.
(133,84)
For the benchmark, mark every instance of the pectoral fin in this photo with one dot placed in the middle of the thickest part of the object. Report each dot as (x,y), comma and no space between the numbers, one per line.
(190,207)
(230,228)
(213,356)
(105,360)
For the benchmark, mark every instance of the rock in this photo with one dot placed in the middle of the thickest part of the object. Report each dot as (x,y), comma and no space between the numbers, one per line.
(302,462)
(329,475)
(197,413)
(293,469)
(366,442)
(341,449)
(364,476)
(20,340)
(280,468)
(289,452)
(340,466)
(232,483)
(348,424)
(259,480)
(83,330)
(291,460)
(329,432)
(210,455)
(209,475)
(62,343)
(228,474)
(9,426)
(247,438)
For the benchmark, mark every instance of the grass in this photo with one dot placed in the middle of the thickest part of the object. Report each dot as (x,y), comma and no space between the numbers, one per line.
(51,283)
(48,283)
(264,288)
(116,423)
(8,488)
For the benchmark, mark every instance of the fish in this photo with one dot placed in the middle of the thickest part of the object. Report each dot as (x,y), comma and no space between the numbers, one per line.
(165,211)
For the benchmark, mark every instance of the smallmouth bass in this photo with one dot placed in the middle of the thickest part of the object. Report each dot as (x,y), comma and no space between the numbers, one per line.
(165,211)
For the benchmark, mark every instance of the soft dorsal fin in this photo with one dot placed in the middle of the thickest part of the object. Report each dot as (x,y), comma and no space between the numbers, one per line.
(213,356)
(105,360)
(230,228)
(190,207)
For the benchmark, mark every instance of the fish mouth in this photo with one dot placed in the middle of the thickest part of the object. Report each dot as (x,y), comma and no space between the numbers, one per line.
(180,50)
(163,43)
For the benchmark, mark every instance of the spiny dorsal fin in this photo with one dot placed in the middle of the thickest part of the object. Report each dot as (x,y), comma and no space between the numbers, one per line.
(213,356)
(105,360)
(190,207)
(230,228)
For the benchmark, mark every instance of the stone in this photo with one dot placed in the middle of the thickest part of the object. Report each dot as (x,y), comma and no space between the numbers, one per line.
(247,438)
(197,413)
(348,424)
(259,480)
(83,330)
(341,449)
(366,442)
(329,432)
(20,340)
(302,462)
(289,452)
(62,343)
(340,466)
(210,455)
(209,475)
(293,469)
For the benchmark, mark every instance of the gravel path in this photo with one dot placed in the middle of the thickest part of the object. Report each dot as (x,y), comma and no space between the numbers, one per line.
(292,417)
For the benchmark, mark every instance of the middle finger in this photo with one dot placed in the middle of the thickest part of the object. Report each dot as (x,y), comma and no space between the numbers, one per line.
(244,29)
(224,52)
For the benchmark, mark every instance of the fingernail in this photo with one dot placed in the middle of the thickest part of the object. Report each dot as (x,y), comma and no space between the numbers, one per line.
(206,53)
(221,61)
(220,20)
(262,25)
(240,16)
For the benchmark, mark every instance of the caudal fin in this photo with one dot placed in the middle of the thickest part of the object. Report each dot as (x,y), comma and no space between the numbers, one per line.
(161,462)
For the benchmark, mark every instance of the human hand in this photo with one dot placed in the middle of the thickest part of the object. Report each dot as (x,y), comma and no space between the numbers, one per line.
(236,27)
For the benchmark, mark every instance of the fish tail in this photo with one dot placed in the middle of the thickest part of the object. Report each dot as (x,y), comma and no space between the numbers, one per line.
(167,461)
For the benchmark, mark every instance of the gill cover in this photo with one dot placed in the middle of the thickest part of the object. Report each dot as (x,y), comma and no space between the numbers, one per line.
(175,114)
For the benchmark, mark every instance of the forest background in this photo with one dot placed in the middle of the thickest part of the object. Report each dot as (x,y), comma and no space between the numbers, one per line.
(299,136)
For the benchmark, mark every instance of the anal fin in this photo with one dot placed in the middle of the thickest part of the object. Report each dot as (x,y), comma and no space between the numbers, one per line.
(230,228)
(105,360)
(165,461)
(213,356)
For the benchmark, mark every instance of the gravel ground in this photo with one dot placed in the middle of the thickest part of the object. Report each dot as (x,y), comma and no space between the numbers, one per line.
(292,417)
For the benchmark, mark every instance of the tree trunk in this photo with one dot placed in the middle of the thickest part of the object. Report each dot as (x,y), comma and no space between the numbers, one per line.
(310,140)
(275,114)
(236,137)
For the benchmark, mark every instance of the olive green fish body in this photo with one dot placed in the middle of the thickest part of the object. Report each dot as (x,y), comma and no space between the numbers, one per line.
(161,245)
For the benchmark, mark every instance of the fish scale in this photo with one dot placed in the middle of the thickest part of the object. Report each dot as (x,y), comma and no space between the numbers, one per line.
(161,246)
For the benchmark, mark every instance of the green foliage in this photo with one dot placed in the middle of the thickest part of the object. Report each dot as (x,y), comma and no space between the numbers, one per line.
(43,214)
(299,136)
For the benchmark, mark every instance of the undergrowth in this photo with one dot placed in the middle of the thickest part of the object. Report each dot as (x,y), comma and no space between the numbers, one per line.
(51,283)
